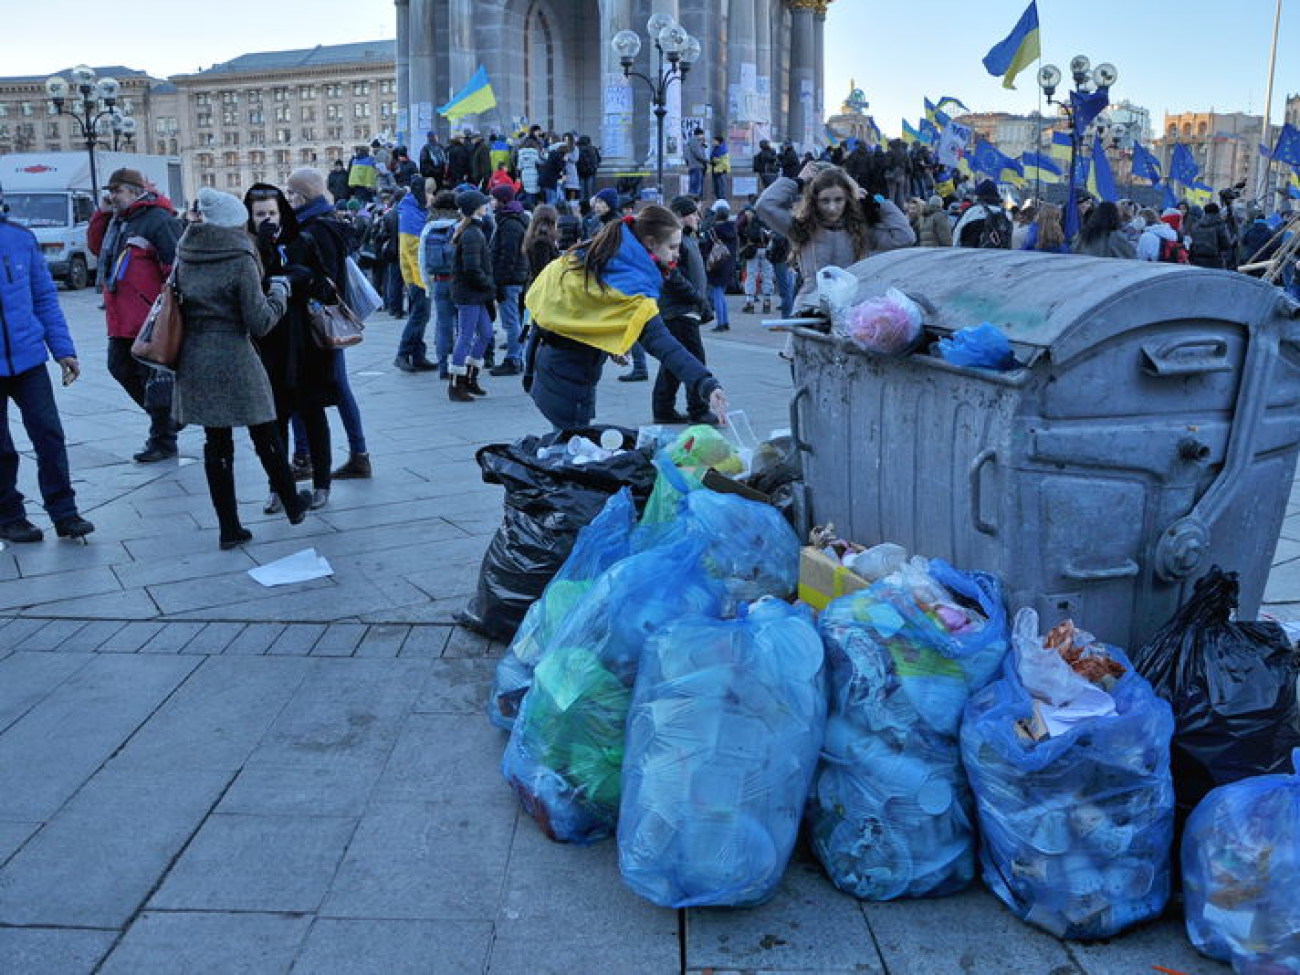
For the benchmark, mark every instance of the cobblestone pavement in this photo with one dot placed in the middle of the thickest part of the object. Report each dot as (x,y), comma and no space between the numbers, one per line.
(201,775)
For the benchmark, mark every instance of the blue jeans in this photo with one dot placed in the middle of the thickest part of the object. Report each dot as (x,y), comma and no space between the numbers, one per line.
(696,179)
(784,281)
(473,333)
(638,359)
(719,186)
(348,412)
(412,342)
(34,395)
(719,295)
(508,310)
(445,328)
(393,287)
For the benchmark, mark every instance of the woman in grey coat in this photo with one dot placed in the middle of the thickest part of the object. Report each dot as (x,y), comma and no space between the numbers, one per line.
(220,381)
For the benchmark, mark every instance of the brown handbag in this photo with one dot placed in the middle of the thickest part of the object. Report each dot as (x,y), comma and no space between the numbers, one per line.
(159,342)
(334,326)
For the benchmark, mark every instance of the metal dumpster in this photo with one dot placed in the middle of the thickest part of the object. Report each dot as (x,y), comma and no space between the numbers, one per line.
(1152,431)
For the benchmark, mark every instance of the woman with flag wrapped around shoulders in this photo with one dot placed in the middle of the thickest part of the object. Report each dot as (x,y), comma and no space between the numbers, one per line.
(596,301)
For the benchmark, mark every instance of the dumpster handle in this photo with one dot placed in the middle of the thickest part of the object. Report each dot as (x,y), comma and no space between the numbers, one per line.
(799,444)
(1125,570)
(976,508)
(1186,357)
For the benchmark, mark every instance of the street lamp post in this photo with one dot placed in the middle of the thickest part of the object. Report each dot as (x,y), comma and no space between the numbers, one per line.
(1085,77)
(94,100)
(673,45)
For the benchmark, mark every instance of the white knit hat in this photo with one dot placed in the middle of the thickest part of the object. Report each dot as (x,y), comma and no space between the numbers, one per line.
(221,209)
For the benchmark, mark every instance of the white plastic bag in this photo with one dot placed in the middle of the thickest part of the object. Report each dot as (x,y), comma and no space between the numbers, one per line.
(888,323)
(837,289)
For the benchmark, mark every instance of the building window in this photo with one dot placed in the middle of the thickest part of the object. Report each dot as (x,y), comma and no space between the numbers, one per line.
(334,91)
(208,179)
(280,94)
(254,96)
(201,98)
(203,161)
(283,136)
(361,110)
(257,117)
(229,98)
(282,113)
(360,88)
(230,159)
(26,108)
(164,125)
(257,138)
(284,176)
(230,138)
(333,112)
(257,158)
(51,130)
(307,91)
(207,139)
(308,113)
(53,147)
(308,134)
(282,157)
(232,181)
(334,132)
(204,120)
(229,116)
(306,156)
(387,86)
(387,109)
(360,132)
(334,153)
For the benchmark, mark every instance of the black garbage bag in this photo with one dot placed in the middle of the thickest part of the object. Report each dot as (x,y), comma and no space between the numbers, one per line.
(1232,687)
(777,471)
(547,502)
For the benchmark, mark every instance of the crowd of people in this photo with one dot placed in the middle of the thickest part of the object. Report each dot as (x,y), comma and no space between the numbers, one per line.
(485,234)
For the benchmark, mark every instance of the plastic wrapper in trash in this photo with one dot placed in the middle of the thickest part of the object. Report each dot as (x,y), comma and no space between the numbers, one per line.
(607,540)
(981,346)
(547,501)
(722,739)
(702,446)
(1241,858)
(1076,828)
(565,752)
(837,289)
(889,323)
(890,813)
(1232,686)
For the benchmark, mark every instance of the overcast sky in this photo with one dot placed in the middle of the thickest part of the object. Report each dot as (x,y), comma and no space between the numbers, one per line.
(1172,55)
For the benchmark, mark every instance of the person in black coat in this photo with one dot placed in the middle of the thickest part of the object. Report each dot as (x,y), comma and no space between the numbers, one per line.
(510,271)
(459,156)
(722,272)
(473,290)
(338,183)
(684,305)
(790,164)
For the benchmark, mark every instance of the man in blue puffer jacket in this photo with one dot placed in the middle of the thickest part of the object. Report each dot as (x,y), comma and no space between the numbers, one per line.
(32,327)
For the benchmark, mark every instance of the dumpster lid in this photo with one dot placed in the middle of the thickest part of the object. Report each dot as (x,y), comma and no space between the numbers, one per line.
(1034,298)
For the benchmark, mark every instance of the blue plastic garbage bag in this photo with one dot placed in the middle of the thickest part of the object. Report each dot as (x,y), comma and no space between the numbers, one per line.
(565,753)
(748,545)
(891,814)
(1241,858)
(605,540)
(726,723)
(1076,827)
(981,346)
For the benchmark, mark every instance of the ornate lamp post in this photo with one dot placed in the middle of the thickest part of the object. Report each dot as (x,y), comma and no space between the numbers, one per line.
(93,101)
(673,45)
(1085,78)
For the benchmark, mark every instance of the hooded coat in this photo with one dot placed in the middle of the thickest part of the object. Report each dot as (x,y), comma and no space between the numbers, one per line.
(134,268)
(935,227)
(220,381)
(30,318)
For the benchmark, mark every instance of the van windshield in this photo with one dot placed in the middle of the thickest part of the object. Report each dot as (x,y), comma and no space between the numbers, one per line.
(38,209)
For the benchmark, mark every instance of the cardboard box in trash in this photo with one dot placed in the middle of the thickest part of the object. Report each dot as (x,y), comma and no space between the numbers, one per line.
(822,579)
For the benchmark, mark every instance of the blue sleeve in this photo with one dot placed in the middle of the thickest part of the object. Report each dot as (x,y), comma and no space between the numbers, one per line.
(45,305)
(676,358)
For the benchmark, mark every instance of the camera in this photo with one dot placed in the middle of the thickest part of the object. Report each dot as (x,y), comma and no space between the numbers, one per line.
(1233,192)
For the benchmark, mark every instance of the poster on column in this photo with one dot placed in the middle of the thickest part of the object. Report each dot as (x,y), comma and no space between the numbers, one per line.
(404,130)
(423,117)
(751,101)
(763,99)
(616,127)
(808,136)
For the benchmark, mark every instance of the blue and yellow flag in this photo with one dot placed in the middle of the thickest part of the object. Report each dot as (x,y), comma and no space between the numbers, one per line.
(1020,48)
(946,100)
(475,97)
(910,134)
(1101,181)
(608,314)
(1060,147)
(1041,168)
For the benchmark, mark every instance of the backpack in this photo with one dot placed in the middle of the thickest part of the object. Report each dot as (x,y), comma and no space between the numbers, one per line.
(1173,251)
(372,244)
(433,160)
(755,231)
(437,252)
(588,161)
(996,230)
(719,254)
(778,252)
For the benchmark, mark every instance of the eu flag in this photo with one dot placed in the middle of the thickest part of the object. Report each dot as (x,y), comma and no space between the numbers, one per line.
(1287,149)
(1018,49)
(1087,106)
(1145,164)
(1182,167)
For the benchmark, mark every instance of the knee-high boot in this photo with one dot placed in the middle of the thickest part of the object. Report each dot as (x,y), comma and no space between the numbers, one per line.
(275,462)
(219,466)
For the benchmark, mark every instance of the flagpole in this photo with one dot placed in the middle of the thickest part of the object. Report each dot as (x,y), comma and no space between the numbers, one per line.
(1263,165)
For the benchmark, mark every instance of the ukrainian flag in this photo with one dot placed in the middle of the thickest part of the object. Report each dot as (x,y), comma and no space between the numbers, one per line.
(608,314)
(1060,147)
(945,100)
(1008,58)
(1040,168)
(475,97)
(1101,181)
(910,134)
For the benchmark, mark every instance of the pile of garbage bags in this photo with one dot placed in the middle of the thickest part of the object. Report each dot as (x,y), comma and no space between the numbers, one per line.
(723,736)
(890,813)
(1241,857)
(1068,756)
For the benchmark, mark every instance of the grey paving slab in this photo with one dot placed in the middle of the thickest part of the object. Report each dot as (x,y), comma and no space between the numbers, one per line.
(175,598)
(971,931)
(172,638)
(295,790)
(23,593)
(466,643)
(42,951)
(90,636)
(404,852)
(254,640)
(190,565)
(213,638)
(27,678)
(47,754)
(13,836)
(50,637)
(441,755)
(256,863)
(297,639)
(96,860)
(457,685)
(383,640)
(1163,943)
(217,717)
(17,630)
(339,640)
(130,638)
(125,604)
(347,712)
(209,943)
(807,924)
(426,641)
(342,947)
(8,566)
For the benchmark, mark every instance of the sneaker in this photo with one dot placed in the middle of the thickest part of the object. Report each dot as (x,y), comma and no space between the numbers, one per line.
(21,532)
(301,467)
(669,418)
(273,505)
(749,308)
(424,365)
(635,376)
(153,453)
(720,328)
(74,526)
(320,497)
(767,308)
(357,465)
(404,363)
(508,368)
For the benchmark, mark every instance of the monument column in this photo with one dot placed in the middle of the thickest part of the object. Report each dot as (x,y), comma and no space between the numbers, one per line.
(742,79)
(819,72)
(803,66)
(403,56)
(616,91)
(420,83)
(763,79)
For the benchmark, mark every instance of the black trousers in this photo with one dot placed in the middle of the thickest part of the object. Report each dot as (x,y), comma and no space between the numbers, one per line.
(663,401)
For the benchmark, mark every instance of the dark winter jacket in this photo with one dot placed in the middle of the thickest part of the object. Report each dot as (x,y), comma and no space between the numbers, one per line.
(329,240)
(509,262)
(480,165)
(337,181)
(31,320)
(790,165)
(766,163)
(539,255)
(471,276)
(144,249)
(458,162)
(1210,241)
(220,381)
(723,274)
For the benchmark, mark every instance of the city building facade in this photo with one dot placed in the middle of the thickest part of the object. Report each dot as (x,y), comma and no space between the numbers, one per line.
(550,62)
(29,122)
(1224,144)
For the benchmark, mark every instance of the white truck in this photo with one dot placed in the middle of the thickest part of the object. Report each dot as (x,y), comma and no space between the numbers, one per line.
(51,194)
